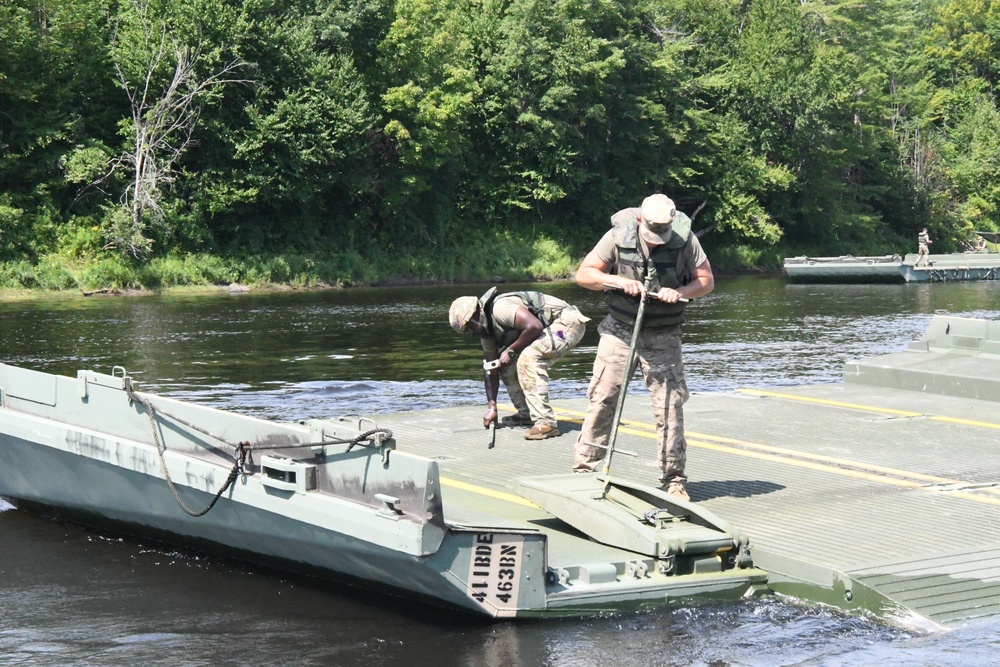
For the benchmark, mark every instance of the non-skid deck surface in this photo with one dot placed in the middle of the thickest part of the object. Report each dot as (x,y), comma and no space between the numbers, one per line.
(896,490)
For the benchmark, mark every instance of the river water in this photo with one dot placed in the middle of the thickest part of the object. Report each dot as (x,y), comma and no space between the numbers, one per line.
(74,597)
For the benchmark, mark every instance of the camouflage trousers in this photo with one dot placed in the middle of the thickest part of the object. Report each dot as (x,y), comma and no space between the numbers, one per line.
(659,352)
(922,254)
(527,380)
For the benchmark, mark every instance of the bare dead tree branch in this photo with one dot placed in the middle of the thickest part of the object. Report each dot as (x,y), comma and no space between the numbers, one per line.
(706,230)
(164,118)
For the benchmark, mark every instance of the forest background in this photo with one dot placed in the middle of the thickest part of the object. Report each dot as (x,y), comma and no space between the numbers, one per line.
(152,143)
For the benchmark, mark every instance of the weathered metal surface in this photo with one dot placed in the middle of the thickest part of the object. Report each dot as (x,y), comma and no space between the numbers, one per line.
(644,520)
(869,496)
(845,269)
(880,493)
(968,266)
(329,497)
(952,358)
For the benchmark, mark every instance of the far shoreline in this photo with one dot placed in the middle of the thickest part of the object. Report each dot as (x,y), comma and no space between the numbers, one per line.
(236,289)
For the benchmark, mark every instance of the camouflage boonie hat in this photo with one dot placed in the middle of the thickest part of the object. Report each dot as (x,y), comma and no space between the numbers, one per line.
(462,310)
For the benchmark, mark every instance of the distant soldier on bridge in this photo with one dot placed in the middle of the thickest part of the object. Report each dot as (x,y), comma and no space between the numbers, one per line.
(923,241)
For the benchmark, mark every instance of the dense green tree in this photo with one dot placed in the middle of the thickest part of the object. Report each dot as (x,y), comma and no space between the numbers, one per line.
(57,117)
(961,183)
(426,58)
(728,168)
(286,163)
(417,128)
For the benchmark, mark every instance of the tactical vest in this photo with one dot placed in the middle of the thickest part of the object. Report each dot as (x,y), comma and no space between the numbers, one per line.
(533,301)
(633,264)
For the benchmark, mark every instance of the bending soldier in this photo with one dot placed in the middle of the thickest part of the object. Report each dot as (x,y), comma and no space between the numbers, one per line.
(527,333)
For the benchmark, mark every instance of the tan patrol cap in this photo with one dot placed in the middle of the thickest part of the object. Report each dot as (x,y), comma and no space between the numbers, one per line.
(657,210)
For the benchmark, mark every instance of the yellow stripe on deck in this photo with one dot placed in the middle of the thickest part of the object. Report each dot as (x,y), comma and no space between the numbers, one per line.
(817,462)
(836,404)
(869,408)
(483,491)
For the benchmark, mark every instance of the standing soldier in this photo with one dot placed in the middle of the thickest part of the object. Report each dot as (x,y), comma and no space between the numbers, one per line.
(923,240)
(654,240)
(526,332)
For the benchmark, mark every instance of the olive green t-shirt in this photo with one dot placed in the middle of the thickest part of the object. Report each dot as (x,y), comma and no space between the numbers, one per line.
(505,310)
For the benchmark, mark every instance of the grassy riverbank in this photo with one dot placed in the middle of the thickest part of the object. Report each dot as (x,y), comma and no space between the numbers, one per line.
(507,259)
(543,260)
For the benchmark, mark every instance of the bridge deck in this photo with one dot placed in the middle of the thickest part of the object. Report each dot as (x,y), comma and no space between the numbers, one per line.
(852,495)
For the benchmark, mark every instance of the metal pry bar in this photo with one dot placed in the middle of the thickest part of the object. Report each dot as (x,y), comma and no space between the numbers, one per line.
(613,286)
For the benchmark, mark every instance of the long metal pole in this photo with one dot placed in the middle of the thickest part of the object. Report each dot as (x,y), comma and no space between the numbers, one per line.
(629,371)
(487,369)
